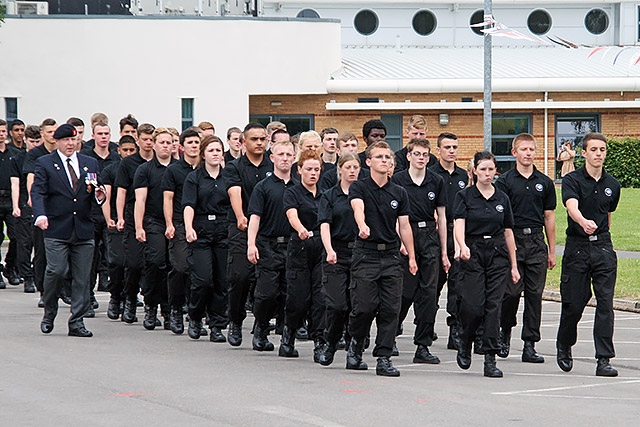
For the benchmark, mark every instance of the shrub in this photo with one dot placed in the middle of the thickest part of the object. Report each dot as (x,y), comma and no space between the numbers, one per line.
(623,161)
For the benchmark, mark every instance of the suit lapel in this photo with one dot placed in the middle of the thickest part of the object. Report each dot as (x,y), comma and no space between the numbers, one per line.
(81,172)
(61,171)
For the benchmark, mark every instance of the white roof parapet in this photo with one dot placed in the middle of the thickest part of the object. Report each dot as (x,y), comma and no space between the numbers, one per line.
(478,105)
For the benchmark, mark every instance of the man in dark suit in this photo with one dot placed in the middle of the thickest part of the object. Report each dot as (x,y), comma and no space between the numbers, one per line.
(64,188)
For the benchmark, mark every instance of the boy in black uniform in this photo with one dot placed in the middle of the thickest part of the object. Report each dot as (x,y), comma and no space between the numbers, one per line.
(372,131)
(150,227)
(178,279)
(427,195)
(242,176)
(590,195)
(6,207)
(124,206)
(376,274)
(268,235)
(455,179)
(533,201)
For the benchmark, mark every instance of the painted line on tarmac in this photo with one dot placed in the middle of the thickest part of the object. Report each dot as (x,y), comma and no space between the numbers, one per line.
(576,387)
(292,414)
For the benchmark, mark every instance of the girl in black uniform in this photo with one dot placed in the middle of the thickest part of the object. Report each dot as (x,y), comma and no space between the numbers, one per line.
(304,258)
(485,246)
(338,231)
(206,204)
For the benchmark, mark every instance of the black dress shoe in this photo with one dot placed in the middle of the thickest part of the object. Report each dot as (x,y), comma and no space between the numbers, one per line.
(564,358)
(423,355)
(80,332)
(604,369)
(40,303)
(65,299)
(29,286)
(385,368)
(529,353)
(46,326)
(216,335)
(235,334)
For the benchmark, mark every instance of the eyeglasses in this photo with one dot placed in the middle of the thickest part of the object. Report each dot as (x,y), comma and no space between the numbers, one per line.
(420,155)
(382,156)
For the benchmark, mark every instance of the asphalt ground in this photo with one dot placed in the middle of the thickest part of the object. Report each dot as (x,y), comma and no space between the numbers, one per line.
(126,375)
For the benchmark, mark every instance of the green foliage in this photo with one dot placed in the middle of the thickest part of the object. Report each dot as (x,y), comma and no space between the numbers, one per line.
(623,161)
(3,12)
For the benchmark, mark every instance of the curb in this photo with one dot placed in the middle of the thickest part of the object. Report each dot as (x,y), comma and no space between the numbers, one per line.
(618,304)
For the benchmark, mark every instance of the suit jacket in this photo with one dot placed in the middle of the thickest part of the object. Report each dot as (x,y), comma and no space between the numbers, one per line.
(53,197)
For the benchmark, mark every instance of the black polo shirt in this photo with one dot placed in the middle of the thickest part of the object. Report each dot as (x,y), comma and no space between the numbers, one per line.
(244,174)
(16,164)
(453,182)
(267,203)
(108,177)
(205,194)
(5,169)
(91,144)
(529,197)
(595,199)
(424,198)
(29,165)
(330,179)
(484,217)
(363,160)
(149,176)
(382,207)
(303,200)
(103,162)
(335,210)
(403,164)
(173,180)
(125,174)
(228,158)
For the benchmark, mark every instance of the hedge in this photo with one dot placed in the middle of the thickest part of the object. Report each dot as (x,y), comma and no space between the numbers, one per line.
(623,161)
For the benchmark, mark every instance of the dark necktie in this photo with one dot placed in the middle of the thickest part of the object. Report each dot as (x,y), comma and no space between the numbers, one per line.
(74,177)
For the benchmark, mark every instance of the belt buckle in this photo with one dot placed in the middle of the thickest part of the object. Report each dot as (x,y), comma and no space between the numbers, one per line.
(310,233)
(211,217)
(422,224)
(381,247)
(593,238)
(526,231)
(487,237)
(280,239)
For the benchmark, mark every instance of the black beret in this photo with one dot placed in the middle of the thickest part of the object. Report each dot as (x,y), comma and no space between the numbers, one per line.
(65,131)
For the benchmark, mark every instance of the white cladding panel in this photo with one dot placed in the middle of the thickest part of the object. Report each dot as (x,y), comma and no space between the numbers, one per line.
(145,66)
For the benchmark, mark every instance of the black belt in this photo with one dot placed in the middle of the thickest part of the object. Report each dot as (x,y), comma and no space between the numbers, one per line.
(377,246)
(485,237)
(528,230)
(313,233)
(275,239)
(211,217)
(602,237)
(343,244)
(423,225)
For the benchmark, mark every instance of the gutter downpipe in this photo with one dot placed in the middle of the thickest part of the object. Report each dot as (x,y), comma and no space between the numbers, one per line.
(546,135)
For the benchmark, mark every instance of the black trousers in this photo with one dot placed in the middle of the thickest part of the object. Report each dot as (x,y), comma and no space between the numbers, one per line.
(532,264)
(240,274)
(24,242)
(116,261)
(8,221)
(271,281)
(450,278)
(156,264)
(421,290)
(99,264)
(134,261)
(588,264)
(178,278)
(335,284)
(305,294)
(39,258)
(376,292)
(207,260)
(482,281)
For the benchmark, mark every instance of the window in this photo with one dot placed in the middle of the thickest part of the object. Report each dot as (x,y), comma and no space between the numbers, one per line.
(424,22)
(366,22)
(393,122)
(504,127)
(539,22)
(296,123)
(11,107)
(187,113)
(572,128)
(596,21)
(477,18)
(308,13)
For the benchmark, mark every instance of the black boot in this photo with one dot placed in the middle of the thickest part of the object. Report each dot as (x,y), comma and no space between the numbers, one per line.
(490,368)
(113,309)
(194,329)
(326,357)
(216,335)
(385,368)
(564,358)
(604,368)
(504,341)
(260,341)
(423,355)
(454,339)
(464,355)
(529,353)
(176,320)
(477,345)
(150,317)
(129,314)
(354,356)
(29,286)
(235,334)
(318,349)
(287,343)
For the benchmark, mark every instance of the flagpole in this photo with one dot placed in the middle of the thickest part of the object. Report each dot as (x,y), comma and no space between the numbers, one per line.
(487,75)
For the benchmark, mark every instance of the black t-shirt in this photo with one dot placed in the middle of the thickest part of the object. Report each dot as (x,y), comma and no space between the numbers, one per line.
(16,164)
(205,194)
(267,203)
(173,180)
(484,217)
(103,162)
(150,175)
(29,165)
(125,175)
(424,197)
(335,209)
(330,179)
(244,174)
(5,168)
(403,164)
(453,183)
(228,158)
(301,199)
(382,207)
(595,199)
(529,197)
(108,177)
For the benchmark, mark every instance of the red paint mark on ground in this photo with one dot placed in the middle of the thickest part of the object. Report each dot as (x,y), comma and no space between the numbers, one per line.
(348,382)
(128,394)
(352,391)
